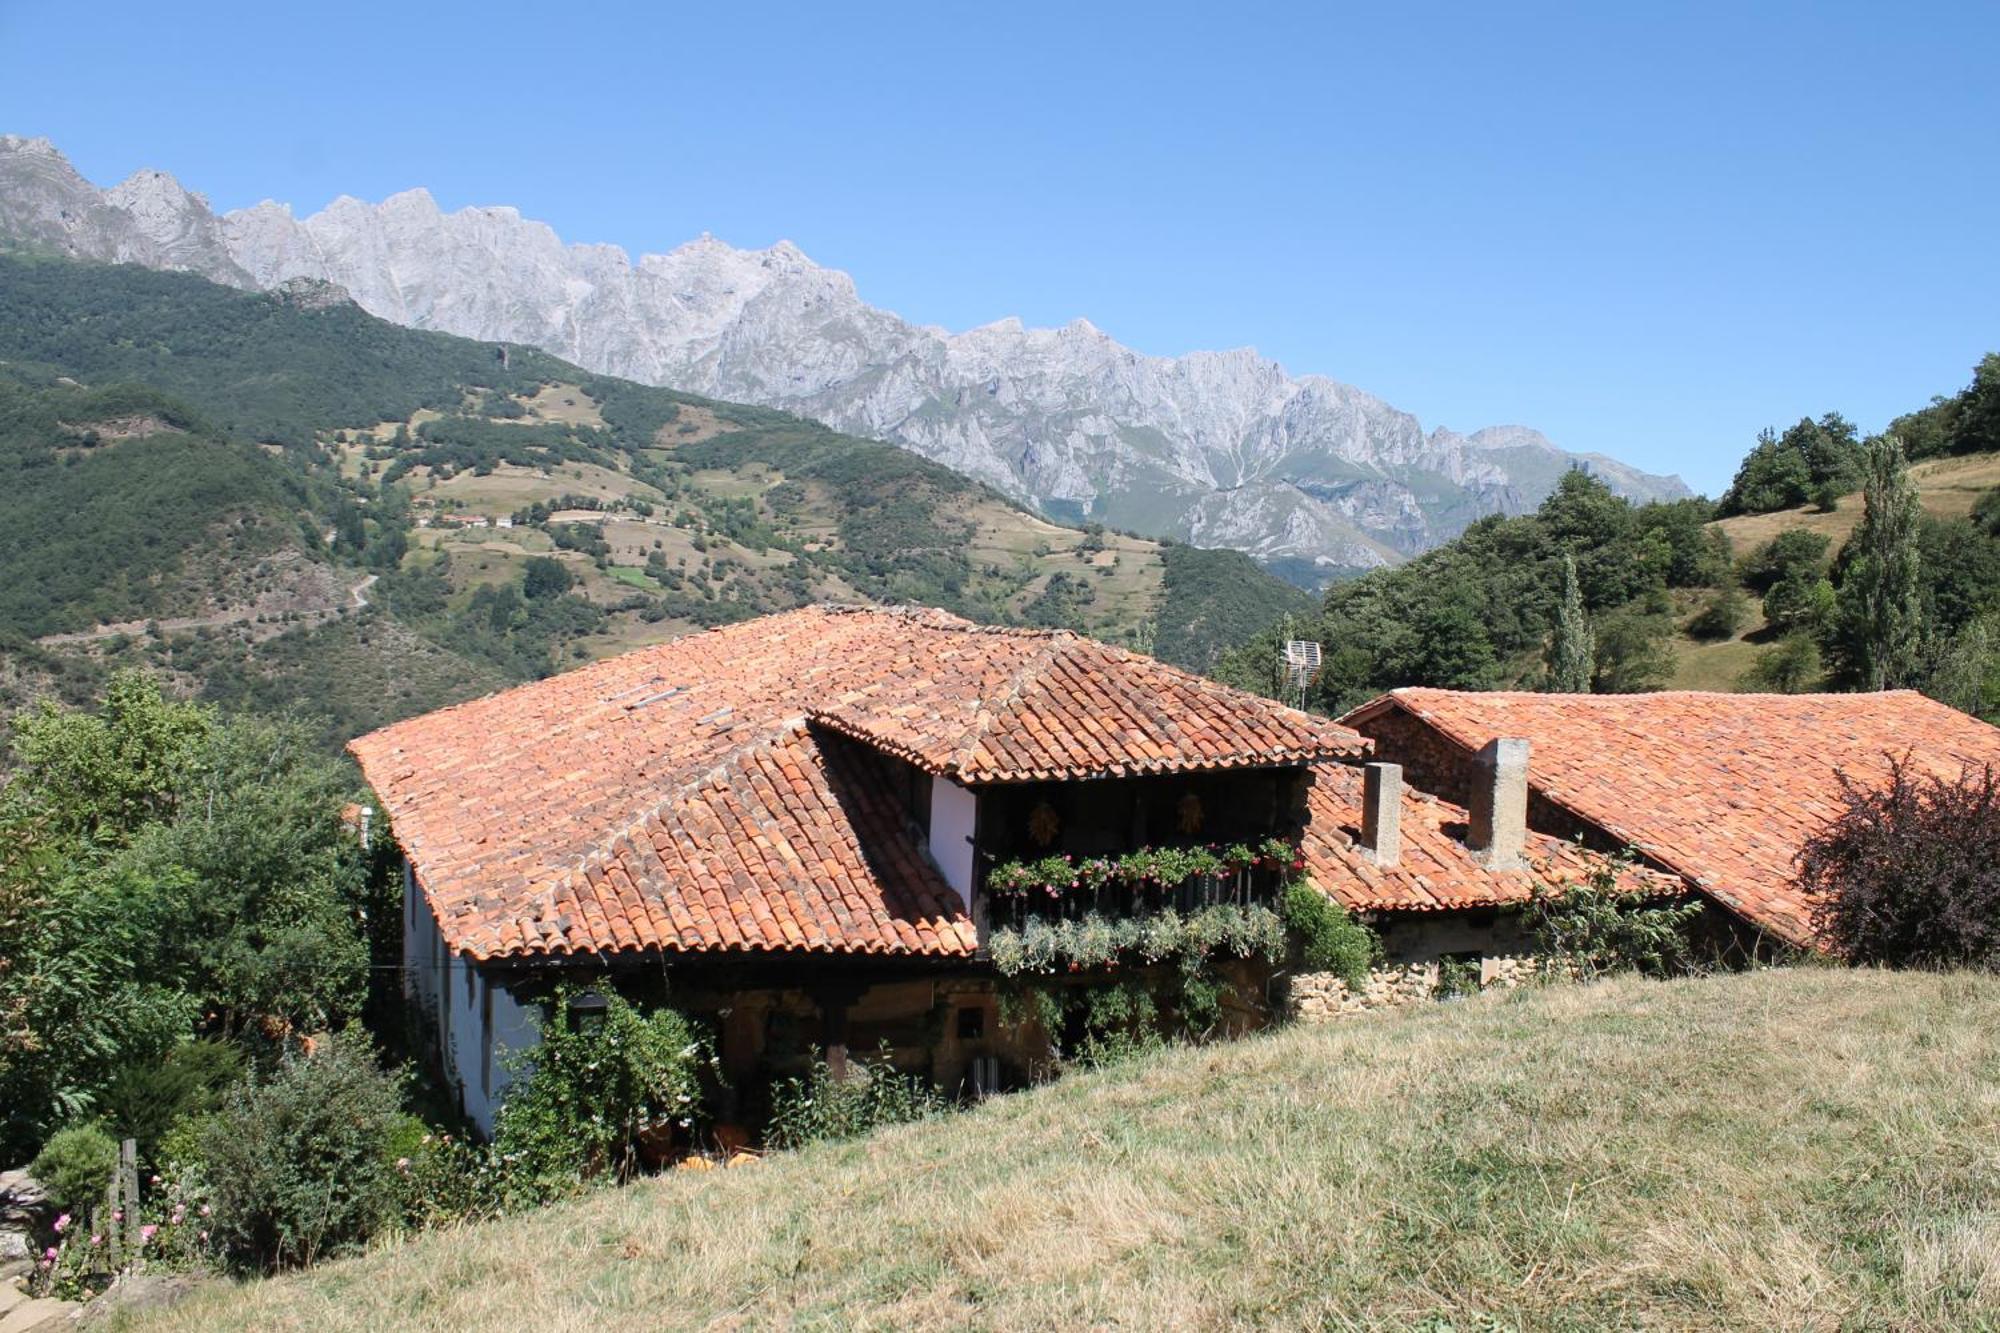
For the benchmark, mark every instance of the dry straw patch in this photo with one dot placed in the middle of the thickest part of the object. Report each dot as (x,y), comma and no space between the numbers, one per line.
(1806,1149)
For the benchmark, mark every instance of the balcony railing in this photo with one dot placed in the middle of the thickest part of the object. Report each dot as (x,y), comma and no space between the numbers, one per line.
(1184,879)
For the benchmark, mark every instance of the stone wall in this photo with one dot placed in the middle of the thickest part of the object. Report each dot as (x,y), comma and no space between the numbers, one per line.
(1415,953)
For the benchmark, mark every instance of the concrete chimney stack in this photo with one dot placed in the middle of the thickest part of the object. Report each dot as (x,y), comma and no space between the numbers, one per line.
(1382,812)
(1499,813)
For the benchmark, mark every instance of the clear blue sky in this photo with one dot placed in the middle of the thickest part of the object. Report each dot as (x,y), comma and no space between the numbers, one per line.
(1648,230)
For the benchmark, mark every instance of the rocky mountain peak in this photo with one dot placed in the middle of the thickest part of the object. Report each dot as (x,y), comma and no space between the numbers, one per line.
(1221,448)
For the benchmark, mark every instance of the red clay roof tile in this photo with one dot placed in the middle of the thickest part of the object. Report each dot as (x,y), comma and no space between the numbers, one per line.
(1434,871)
(1724,789)
(683,797)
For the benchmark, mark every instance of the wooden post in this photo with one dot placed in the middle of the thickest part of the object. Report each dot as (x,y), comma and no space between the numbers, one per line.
(128,1202)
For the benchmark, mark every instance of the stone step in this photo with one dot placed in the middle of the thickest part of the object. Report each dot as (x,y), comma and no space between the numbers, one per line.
(11,1296)
(34,1314)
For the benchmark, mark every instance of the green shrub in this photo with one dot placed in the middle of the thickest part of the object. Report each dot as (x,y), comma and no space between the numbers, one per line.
(148,1098)
(1329,938)
(1789,666)
(1597,927)
(299,1165)
(75,1166)
(821,1107)
(1721,615)
(590,1089)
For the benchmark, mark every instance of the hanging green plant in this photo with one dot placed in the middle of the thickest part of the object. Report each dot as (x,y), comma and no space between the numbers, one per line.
(1152,867)
(1100,943)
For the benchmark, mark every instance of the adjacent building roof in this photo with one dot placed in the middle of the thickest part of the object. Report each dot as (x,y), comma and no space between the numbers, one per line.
(695,795)
(1723,789)
(1435,871)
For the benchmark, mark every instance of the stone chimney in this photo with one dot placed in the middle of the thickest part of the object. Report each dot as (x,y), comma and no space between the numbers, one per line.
(1499,813)
(1382,812)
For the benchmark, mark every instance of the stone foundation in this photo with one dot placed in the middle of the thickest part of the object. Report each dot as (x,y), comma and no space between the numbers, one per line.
(1318,996)
(1417,950)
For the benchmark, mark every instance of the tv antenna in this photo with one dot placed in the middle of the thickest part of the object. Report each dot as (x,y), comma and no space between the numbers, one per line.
(1300,662)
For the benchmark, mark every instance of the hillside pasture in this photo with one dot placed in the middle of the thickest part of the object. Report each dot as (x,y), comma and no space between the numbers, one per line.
(1804,1149)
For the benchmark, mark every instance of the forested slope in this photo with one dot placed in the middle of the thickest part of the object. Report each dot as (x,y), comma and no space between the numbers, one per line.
(279,498)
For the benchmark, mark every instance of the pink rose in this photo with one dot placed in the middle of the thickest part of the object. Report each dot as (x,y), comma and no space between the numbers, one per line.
(147,1232)
(49,1255)
(61,1223)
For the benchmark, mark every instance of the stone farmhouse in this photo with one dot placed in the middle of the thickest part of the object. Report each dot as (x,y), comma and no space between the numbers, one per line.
(788,826)
(1720,790)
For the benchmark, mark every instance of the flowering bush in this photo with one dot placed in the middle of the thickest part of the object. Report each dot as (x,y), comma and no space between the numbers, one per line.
(175,1233)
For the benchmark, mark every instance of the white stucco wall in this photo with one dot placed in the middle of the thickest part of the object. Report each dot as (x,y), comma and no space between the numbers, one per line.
(478,1019)
(952,811)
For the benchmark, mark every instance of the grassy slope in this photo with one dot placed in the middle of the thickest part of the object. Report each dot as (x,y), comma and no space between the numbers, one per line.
(1811,1148)
(1948,488)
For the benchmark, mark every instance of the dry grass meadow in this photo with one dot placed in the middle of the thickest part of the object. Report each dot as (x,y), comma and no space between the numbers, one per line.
(1804,1149)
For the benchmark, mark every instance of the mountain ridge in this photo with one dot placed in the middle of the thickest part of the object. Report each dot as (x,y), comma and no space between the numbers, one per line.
(1219,448)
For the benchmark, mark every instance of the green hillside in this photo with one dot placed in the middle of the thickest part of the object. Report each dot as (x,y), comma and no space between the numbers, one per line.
(1782,1149)
(216,483)
(1758,591)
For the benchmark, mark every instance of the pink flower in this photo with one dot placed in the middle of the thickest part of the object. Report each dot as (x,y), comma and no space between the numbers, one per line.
(61,1223)
(147,1232)
(204,1210)
(204,1235)
(154,1180)
(118,1214)
(49,1255)
(97,1240)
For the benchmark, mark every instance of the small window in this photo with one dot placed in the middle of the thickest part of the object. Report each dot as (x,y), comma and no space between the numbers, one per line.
(971,1023)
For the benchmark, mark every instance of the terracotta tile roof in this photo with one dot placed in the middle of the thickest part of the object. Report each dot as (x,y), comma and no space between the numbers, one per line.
(688,796)
(1724,789)
(1434,872)
(1014,705)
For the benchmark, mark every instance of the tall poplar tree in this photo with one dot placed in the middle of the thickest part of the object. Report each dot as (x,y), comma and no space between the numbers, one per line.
(1883,592)
(1573,649)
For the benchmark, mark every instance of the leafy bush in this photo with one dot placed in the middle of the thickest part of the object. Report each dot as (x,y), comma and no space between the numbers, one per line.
(1789,666)
(1597,927)
(821,1107)
(591,1088)
(1800,603)
(1908,874)
(75,1166)
(299,1164)
(1793,552)
(1329,938)
(1721,615)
